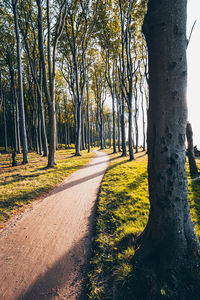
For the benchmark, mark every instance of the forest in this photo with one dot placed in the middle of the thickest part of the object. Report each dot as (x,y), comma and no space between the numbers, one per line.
(81,69)
(94,129)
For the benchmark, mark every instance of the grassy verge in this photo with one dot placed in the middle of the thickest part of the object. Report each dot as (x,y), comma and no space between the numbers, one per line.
(122,214)
(23,183)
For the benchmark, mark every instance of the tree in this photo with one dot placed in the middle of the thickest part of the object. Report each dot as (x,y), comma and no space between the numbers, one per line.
(80,21)
(191,157)
(20,85)
(49,85)
(168,253)
(28,24)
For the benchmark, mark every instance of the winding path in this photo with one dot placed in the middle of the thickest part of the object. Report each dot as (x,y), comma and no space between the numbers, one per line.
(43,253)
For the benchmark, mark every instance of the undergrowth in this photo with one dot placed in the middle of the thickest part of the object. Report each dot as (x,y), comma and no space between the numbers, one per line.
(23,183)
(122,214)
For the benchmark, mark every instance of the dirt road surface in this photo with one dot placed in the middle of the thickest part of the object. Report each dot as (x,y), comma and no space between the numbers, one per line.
(43,252)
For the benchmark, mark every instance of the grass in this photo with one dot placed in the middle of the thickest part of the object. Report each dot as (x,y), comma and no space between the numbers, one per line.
(21,184)
(122,214)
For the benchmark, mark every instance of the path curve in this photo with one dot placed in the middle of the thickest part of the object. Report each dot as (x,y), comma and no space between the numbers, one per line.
(42,255)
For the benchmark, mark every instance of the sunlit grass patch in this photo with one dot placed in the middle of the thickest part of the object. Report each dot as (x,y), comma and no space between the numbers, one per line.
(23,183)
(122,215)
(194,196)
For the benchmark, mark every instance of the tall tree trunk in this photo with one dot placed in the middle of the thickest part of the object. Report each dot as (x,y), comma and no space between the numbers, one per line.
(50,96)
(130,132)
(66,131)
(78,131)
(88,118)
(118,124)
(143,120)
(123,128)
(191,157)
(114,127)
(83,130)
(20,86)
(52,135)
(168,248)
(5,123)
(18,127)
(39,134)
(42,118)
(15,123)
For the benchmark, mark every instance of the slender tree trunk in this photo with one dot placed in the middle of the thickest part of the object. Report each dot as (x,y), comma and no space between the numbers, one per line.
(109,132)
(88,118)
(39,134)
(143,120)
(92,128)
(68,135)
(123,128)
(191,157)
(168,248)
(130,133)
(83,131)
(5,124)
(36,139)
(15,123)
(118,125)
(18,127)
(20,87)
(42,118)
(114,127)
(52,135)
(66,131)
(50,96)
(78,131)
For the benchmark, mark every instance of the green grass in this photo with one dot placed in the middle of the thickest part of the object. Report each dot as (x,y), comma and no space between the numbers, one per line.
(23,183)
(122,214)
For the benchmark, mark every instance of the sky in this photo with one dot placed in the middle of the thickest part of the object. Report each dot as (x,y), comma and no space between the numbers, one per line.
(193,60)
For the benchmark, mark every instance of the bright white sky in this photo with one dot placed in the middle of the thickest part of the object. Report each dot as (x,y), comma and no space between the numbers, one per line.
(193,54)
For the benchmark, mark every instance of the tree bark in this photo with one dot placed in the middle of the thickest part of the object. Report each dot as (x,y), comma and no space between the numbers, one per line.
(5,123)
(118,124)
(130,132)
(88,117)
(42,118)
(124,153)
(20,87)
(78,130)
(191,157)
(49,98)
(168,247)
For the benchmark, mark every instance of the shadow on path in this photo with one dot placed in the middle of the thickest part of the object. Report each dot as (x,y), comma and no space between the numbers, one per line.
(67,277)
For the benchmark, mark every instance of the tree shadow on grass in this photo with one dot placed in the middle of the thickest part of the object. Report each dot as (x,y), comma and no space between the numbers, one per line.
(137,182)
(18,177)
(195,185)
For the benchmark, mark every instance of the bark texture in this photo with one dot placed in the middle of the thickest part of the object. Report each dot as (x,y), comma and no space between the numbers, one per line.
(20,86)
(191,157)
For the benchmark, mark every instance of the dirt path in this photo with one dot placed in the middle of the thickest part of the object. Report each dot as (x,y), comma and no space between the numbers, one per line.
(42,253)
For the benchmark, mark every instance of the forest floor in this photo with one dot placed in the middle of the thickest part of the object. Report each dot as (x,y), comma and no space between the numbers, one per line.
(21,184)
(44,250)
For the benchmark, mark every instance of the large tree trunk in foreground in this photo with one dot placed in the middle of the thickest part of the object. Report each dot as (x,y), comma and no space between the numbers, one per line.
(168,249)
(191,157)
